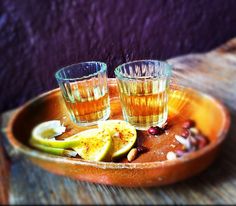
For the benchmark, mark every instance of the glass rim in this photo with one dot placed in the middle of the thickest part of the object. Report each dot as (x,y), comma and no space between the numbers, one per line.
(168,66)
(102,69)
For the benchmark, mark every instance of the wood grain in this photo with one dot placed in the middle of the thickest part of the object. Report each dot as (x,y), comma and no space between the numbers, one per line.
(5,161)
(213,73)
(4,174)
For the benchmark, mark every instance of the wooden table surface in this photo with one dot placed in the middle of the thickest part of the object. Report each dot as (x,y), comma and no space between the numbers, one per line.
(214,73)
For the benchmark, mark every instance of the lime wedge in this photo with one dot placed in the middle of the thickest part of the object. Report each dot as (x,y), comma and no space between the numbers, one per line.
(123,136)
(46,132)
(93,144)
(52,150)
(48,129)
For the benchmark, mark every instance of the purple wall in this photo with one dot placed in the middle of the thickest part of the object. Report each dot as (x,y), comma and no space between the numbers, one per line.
(38,36)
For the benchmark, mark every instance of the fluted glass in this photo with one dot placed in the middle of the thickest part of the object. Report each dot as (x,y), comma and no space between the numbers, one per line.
(143,90)
(85,92)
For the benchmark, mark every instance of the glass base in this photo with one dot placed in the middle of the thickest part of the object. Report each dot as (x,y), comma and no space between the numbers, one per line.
(146,125)
(85,124)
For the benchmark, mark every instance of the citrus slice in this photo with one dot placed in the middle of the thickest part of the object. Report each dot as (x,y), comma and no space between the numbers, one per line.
(93,144)
(52,150)
(46,132)
(49,129)
(123,136)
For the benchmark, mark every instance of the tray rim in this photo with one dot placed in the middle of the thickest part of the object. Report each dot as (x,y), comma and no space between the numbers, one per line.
(22,148)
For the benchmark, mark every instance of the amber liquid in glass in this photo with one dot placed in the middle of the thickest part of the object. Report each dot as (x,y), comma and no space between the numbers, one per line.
(144,103)
(86,103)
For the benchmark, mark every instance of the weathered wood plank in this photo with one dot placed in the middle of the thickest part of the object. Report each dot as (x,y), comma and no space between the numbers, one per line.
(4,174)
(4,177)
(213,73)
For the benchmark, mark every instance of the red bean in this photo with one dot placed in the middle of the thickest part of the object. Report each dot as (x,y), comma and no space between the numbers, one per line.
(155,130)
(188,124)
(142,149)
(185,133)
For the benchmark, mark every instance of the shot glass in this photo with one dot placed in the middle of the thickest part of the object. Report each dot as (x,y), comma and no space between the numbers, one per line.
(85,92)
(143,90)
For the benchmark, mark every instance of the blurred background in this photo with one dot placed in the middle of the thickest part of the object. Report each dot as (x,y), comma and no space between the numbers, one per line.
(39,37)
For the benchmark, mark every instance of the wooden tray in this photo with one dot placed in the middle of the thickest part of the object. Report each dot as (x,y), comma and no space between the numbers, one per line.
(149,169)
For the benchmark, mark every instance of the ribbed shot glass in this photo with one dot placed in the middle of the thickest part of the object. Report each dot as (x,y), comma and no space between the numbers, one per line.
(143,90)
(85,92)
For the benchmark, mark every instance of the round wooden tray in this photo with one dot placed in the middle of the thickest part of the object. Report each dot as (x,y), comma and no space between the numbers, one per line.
(149,169)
